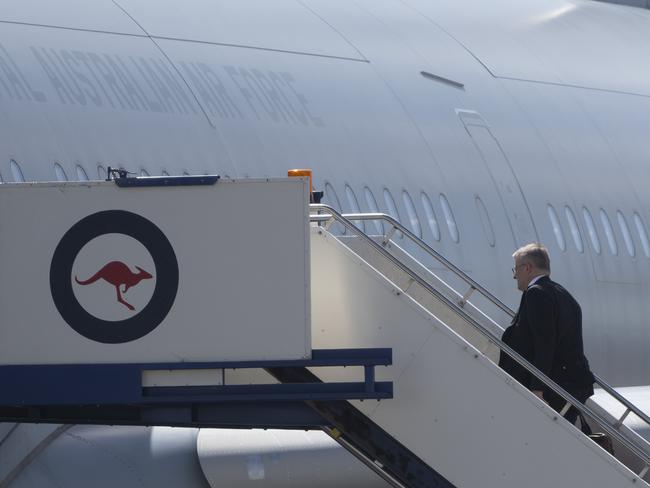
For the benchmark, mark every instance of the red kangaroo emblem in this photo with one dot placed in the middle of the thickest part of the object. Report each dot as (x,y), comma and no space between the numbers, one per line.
(117,273)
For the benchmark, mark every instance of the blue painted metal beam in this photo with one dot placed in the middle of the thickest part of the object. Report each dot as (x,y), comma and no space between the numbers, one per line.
(150,181)
(267,415)
(121,384)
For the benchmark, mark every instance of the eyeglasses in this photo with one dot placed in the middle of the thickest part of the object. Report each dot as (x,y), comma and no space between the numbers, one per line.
(514,270)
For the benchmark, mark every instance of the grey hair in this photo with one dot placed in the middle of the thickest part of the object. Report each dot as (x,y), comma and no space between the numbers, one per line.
(535,254)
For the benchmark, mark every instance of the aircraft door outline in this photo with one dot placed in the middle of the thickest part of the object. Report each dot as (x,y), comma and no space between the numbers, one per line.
(503,177)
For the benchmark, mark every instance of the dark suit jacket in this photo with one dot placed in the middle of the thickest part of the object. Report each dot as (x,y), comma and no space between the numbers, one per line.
(547,331)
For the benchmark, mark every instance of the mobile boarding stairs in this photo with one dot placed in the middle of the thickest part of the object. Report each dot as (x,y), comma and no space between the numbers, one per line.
(432,409)
(496,437)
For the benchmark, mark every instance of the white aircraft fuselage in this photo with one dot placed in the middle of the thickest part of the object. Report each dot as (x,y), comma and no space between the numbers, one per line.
(488,124)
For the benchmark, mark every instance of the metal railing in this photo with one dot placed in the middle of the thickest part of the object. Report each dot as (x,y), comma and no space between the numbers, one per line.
(474,286)
(640,450)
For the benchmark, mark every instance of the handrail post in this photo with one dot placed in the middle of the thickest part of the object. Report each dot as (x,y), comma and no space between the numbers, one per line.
(466,296)
(389,235)
(620,421)
(328,223)
(565,409)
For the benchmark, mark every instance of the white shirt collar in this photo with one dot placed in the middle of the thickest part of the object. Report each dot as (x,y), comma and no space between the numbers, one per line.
(534,280)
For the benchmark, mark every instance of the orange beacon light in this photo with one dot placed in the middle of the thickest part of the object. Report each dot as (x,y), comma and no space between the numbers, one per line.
(314,197)
(302,172)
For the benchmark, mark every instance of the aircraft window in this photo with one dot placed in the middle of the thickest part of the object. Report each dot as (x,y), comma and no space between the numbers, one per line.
(449,217)
(16,172)
(81,173)
(412,213)
(591,229)
(392,208)
(485,220)
(372,205)
(60,173)
(333,199)
(144,172)
(575,231)
(627,236)
(354,206)
(101,172)
(609,232)
(431,216)
(643,235)
(557,229)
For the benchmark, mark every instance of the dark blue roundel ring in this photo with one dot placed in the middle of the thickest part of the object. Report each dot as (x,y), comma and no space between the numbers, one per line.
(152,238)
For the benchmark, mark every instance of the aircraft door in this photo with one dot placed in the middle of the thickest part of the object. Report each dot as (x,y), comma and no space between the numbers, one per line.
(503,177)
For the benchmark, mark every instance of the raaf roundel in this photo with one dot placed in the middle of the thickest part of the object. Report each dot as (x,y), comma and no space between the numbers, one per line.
(116,273)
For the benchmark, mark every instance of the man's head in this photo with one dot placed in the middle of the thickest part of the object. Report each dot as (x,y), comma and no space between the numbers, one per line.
(531,260)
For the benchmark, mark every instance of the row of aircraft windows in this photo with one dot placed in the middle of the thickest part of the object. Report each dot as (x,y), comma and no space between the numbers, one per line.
(449,219)
(411,212)
(61,175)
(607,228)
(413,221)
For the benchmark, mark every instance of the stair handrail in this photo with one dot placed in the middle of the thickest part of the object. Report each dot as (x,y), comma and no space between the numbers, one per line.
(428,249)
(333,215)
(474,286)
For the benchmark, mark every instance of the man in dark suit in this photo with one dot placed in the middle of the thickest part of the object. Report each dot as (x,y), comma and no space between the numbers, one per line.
(547,331)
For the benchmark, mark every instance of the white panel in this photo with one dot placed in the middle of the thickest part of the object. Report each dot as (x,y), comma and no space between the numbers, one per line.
(75,14)
(243,287)
(188,377)
(588,44)
(282,24)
